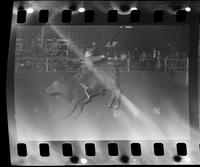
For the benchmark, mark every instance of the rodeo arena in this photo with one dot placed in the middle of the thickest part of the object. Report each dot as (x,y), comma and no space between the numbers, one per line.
(146,68)
(47,52)
(119,87)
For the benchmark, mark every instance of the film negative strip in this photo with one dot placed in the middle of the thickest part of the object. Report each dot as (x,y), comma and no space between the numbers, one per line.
(104,82)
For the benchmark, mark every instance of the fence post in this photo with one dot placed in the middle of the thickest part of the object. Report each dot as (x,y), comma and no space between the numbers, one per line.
(47,64)
(128,64)
(187,71)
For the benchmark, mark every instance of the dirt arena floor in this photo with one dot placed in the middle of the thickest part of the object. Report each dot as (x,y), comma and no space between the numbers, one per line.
(160,97)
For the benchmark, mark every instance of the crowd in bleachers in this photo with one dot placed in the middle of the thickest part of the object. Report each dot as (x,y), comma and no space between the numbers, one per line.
(54,56)
(155,60)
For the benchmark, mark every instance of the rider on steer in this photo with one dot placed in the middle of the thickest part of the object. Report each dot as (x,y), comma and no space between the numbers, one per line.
(87,65)
(90,57)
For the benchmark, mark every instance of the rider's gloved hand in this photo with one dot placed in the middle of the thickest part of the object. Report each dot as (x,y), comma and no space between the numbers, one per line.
(88,52)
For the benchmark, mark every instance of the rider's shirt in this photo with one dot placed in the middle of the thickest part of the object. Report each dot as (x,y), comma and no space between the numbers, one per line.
(92,59)
(89,60)
(88,66)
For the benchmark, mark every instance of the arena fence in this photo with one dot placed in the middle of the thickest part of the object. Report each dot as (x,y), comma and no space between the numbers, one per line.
(23,65)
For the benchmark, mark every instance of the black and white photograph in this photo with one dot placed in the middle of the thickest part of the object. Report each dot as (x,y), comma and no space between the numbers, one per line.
(128,93)
(101,82)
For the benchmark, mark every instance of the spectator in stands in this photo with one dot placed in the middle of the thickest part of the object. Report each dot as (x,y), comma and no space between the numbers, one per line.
(115,55)
(108,55)
(154,53)
(133,56)
(142,58)
(158,66)
(166,63)
(176,61)
(123,56)
(154,58)
(128,54)
(170,61)
(66,53)
(137,54)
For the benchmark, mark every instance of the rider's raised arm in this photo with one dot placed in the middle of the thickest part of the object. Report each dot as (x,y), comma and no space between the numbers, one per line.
(97,58)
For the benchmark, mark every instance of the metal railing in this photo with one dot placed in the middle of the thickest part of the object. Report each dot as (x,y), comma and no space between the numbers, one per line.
(60,64)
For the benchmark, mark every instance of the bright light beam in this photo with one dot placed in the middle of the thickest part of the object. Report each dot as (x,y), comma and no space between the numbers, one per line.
(132,108)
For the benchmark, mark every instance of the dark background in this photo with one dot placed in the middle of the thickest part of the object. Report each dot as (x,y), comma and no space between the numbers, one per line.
(6,11)
(6,5)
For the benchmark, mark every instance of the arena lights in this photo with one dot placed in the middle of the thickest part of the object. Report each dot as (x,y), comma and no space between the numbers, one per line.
(187,9)
(81,10)
(134,8)
(29,10)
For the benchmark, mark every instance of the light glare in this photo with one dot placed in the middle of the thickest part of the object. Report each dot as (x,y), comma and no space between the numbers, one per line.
(81,10)
(187,9)
(30,10)
(187,159)
(83,160)
(134,8)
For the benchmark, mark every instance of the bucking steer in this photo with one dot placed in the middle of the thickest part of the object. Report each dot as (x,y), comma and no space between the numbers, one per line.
(105,79)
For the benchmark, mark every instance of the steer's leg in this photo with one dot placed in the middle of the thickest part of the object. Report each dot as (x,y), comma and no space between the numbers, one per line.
(112,99)
(118,99)
(73,107)
(85,87)
(80,109)
(88,96)
(117,91)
